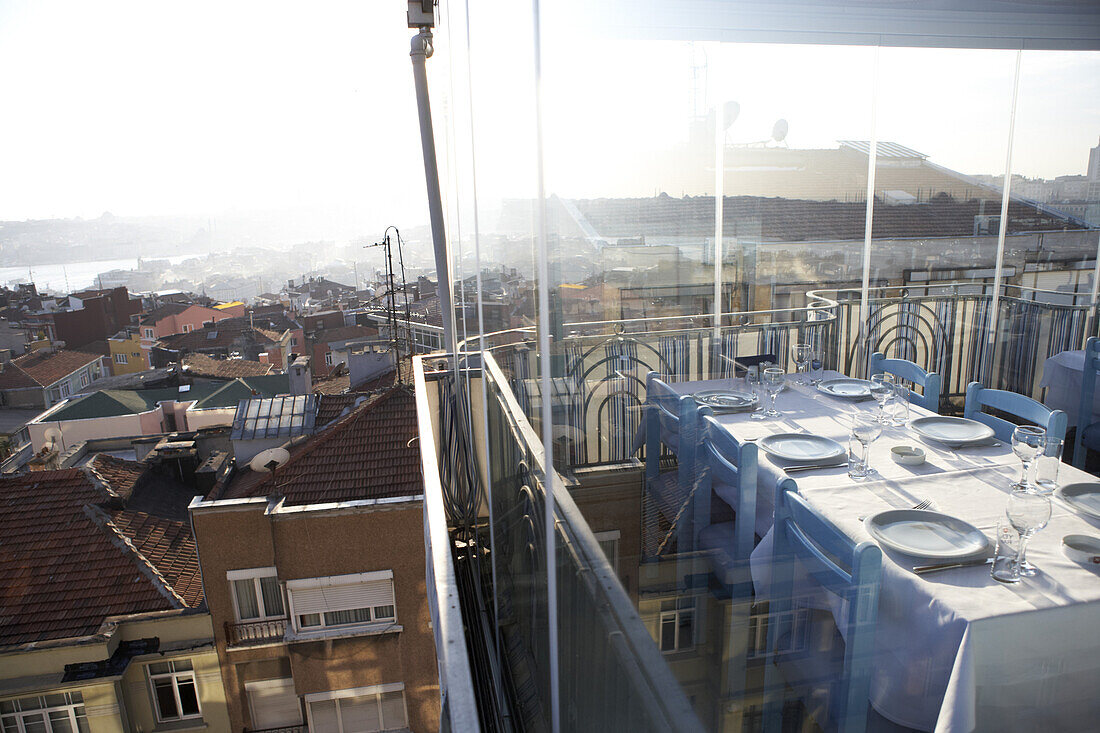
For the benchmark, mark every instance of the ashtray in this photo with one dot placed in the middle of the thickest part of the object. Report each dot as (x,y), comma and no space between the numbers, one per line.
(907,455)
(1082,548)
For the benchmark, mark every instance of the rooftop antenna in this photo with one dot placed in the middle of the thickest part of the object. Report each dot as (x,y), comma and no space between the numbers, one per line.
(392,309)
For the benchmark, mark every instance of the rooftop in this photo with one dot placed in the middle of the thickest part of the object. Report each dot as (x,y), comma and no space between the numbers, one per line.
(41,368)
(71,555)
(368,454)
(201,365)
(284,416)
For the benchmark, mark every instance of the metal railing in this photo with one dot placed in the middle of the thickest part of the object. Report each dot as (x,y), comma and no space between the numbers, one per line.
(251,633)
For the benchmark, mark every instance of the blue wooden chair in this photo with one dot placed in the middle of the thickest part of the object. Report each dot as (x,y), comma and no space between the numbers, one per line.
(672,421)
(930,382)
(727,469)
(1018,405)
(836,564)
(1088,435)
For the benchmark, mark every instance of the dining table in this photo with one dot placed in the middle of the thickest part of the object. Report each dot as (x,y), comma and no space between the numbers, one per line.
(954,650)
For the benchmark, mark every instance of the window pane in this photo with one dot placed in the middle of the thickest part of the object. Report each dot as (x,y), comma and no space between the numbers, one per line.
(393,710)
(668,633)
(360,714)
(35,723)
(189,698)
(160,668)
(181,665)
(324,717)
(687,629)
(246,599)
(351,616)
(310,619)
(10,726)
(383,612)
(76,697)
(56,699)
(166,699)
(82,724)
(8,706)
(273,597)
(60,721)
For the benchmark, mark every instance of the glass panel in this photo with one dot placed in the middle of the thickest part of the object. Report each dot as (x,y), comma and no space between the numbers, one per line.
(35,723)
(247,607)
(10,725)
(30,703)
(189,698)
(76,697)
(360,714)
(273,596)
(166,699)
(393,710)
(325,719)
(350,616)
(56,699)
(181,665)
(309,619)
(160,668)
(60,722)
(7,706)
(81,722)
(383,612)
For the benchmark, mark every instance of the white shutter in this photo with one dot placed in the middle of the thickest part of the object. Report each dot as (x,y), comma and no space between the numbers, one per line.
(342,597)
(360,714)
(274,704)
(393,709)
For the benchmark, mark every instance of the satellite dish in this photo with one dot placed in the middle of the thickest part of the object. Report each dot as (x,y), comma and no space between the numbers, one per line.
(52,436)
(268,460)
(779,130)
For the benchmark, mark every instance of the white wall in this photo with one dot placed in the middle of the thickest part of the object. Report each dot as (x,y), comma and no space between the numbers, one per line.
(77,431)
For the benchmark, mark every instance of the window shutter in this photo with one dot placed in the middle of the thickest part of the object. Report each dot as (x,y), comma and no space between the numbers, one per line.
(274,706)
(325,718)
(343,597)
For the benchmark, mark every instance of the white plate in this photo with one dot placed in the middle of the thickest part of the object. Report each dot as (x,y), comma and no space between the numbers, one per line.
(923,533)
(801,447)
(1083,498)
(1082,548)
(724,399)
(951,430)
(855,389)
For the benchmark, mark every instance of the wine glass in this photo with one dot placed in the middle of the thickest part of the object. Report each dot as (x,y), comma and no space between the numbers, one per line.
(801,354)
(773,383)
(1028,512)
(882,389)
(752,381)
(1028,441)
(866,429)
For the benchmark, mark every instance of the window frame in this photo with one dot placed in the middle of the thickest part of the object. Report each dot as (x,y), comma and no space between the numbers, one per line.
(375,691)
(356,578)
(45,709)
(121,358)
(675,613)
(85,378)
(148,332)
(174,676)
(255,575)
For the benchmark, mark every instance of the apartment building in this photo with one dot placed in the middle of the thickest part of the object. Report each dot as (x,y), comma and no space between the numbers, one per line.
(103,627)
(315,578)
(45,377)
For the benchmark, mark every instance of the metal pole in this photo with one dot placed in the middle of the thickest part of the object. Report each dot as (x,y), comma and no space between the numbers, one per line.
(420,52)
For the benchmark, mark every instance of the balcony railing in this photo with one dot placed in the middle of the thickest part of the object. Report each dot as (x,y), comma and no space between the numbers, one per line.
(252,633)
(281,729)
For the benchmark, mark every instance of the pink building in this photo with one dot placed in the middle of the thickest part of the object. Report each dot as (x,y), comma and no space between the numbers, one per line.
(176,318)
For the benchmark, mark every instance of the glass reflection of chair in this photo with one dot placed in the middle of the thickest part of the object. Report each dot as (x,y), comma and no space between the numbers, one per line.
(1088,433)
(727,471)
(1017,405)
(672,421)
(833,565)
(930,382)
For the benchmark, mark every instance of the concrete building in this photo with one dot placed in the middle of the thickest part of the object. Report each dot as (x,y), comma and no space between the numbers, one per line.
(127,355)
(315,579)
(44,378)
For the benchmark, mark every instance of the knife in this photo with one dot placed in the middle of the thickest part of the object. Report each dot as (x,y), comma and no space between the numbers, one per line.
(793,469)
(923,569)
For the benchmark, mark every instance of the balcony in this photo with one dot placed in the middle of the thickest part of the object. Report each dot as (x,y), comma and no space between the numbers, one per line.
(255,633)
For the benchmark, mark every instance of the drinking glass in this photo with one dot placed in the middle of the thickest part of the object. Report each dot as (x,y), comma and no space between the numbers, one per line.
(773,383)
(752,379)
(1027,443)
(866,428)
(1028,512)
(899,413)
(801,354)
(1006,553)
(817,366)
(1047,463)
(882,388)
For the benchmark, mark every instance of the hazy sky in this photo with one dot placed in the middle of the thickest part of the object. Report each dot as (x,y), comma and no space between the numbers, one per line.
(154,108)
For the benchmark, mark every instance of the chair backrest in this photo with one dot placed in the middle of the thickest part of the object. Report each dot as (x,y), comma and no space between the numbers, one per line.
(1018,405)
(725,365)
(729,468)
(930,382)
(671,420)
(1088,392)
(838,564)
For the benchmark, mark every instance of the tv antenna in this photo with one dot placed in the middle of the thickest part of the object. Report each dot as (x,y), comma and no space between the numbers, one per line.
(392,309)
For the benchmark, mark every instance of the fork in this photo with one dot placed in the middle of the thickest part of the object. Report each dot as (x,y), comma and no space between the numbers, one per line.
(922,505)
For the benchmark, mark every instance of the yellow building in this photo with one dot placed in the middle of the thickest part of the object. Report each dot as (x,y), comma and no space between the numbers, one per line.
(104,626)
(126,354)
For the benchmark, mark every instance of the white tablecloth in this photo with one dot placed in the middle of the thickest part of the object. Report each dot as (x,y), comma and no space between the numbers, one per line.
(955,651)
(1062,378)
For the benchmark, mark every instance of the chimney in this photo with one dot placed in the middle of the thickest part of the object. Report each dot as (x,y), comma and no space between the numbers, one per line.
(301,379)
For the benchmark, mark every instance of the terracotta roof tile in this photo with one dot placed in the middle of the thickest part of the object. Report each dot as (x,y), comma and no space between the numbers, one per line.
(61,573)
(365,455)
(201,365)
(119,475)
(168,545)
(46,368)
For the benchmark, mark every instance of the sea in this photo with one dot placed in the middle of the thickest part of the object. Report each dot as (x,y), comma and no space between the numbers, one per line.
(72,276)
